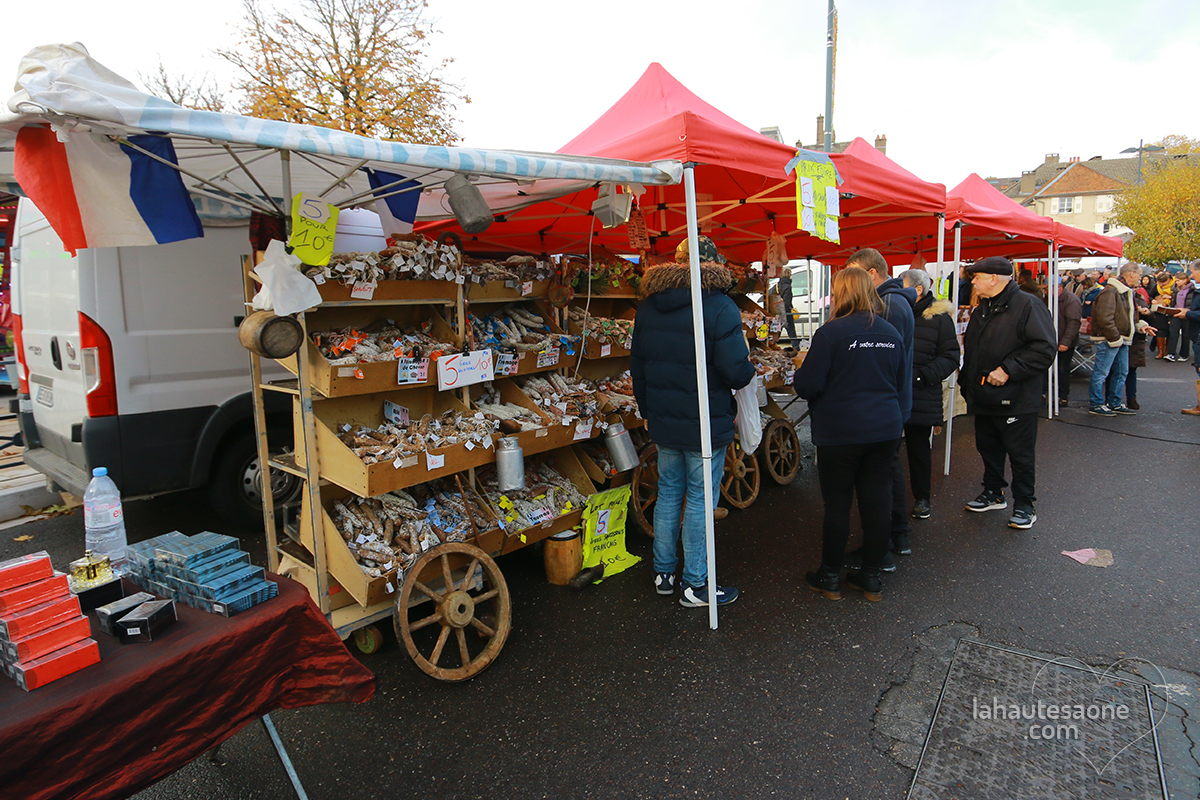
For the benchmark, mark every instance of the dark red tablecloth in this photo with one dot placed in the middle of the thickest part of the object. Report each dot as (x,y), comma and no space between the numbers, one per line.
(145,710)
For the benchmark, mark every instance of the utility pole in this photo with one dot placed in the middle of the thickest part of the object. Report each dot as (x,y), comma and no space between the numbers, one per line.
(830,51)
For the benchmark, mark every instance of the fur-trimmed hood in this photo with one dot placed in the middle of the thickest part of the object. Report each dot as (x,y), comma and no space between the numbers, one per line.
(662,277)
(939,307)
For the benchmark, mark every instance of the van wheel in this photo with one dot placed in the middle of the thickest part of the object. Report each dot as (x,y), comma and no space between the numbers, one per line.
(235,488)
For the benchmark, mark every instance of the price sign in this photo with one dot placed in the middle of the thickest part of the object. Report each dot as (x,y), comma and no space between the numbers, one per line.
(776,326)
(583,430)
(539,515)
(763,332)
(506,364)
(547,357)
(464,370)
(314,223)
(433,462)
(395,413)
(412,370)
(526,288)
(605,350)
(636,226)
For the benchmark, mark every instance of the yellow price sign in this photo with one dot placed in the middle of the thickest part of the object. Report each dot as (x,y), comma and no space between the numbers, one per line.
(764,332)
(314,223)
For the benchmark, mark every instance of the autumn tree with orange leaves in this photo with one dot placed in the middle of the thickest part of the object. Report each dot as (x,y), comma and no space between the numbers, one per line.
(1163,213)
(355,65)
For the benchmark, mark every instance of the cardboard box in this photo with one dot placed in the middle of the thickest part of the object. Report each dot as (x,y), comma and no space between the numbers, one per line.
(108,615)
(246,598)
(142,555)
(209,567)
(36,645)
(341,466)
(58,664)
(146,622)
(25,569)
(196,549)
(32,594)
(93,597)
(220,586)
(35,618)
(379,376)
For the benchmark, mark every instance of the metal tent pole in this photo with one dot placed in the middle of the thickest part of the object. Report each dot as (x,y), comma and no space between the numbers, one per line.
(689,188)
(950,399)
(941,250)
(1052,377)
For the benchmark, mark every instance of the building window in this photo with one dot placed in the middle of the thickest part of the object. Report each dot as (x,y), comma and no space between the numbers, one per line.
(1062,205)
(1104,204)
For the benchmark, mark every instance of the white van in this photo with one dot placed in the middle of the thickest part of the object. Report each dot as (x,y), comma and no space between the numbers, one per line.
(129,359)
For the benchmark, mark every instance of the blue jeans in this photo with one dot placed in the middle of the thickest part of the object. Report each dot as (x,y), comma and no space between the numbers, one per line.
(681,474)
(1114,360)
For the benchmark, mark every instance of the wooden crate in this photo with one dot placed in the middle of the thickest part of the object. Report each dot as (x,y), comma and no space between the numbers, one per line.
(566,462)
(339,464)
(392,291)
(531,442)
(368,591)
(300,570)
(342,381)
(501,292)
(528,361)
(609,308)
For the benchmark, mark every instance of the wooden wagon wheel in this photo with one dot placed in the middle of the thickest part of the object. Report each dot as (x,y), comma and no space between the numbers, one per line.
(645,489)
(780,450)
(742,478)
(452,609)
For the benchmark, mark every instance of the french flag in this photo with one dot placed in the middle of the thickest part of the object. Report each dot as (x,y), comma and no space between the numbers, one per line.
(398,212)
(98,193)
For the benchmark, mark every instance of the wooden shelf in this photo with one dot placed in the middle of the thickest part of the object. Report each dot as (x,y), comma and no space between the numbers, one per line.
(286,386)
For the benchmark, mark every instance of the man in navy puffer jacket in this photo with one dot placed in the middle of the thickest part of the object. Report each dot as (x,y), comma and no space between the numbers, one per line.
(663,366)
(898,301)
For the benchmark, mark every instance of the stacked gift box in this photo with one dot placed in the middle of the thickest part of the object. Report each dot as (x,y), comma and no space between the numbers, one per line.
(44,635)
(206,571)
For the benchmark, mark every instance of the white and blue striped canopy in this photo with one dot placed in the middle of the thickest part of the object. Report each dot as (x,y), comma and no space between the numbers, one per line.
(64,86)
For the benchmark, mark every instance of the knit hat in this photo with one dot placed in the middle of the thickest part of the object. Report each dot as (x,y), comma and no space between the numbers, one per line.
(994,265)
(708,251)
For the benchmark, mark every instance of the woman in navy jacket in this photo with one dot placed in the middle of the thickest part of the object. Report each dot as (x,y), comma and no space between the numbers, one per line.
(852,377)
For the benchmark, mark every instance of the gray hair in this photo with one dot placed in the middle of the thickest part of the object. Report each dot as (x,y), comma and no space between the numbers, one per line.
(1130,267)
(913,278)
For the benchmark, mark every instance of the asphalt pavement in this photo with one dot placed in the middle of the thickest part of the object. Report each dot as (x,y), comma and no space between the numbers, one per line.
(615,692)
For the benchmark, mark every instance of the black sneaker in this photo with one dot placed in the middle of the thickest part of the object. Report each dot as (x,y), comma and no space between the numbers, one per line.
(825,581)
(693,597)
(901,545)
(664,583)
(1102,411)
(920,509)
(988,501)
(854,560)
(1122,409)
(1022,517)
(866,581)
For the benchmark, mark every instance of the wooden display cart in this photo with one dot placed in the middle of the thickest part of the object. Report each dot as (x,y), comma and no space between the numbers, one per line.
(452,611)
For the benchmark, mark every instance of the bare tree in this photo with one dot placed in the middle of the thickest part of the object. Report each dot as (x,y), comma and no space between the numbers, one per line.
(202,94)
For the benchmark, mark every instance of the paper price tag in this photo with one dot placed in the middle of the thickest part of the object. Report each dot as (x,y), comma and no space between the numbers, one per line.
(464,370)
(412,370)
(314,223)
(319,279)
(363,290)
(346,372)
(583,430)
(547,357)
(507,364)
(833,201)
(390,589)
(433,462)
(411,461)
(763,332)
(526,288)
(470,445)
(395,413)
(540,432)
(540,515)
(776,326)
(605,350)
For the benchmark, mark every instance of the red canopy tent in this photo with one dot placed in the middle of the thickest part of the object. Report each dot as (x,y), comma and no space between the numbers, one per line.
(743,192)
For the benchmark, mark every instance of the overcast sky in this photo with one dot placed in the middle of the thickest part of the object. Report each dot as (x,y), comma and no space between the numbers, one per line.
(956,87)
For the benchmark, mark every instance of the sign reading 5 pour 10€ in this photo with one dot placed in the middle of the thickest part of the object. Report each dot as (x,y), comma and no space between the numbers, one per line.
(314,223)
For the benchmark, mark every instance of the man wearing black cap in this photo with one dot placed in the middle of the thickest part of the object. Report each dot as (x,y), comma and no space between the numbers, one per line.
(1008,347)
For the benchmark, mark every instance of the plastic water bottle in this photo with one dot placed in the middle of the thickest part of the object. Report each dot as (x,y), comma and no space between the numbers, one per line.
(104,519)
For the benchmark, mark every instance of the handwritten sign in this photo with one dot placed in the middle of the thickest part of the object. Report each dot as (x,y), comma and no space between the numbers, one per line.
(314,223)
(464,370)
(395,413)
(363,290)
(433,462)
(636,226)
(547,357)
(507,364)
(412,370)
(605,350)
(539,515)
(583,430)
(526,288)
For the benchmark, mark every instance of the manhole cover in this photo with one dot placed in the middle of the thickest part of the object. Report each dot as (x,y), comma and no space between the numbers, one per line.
(1012,725)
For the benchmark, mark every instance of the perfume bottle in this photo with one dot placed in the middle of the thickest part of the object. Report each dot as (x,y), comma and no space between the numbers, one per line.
(91,570)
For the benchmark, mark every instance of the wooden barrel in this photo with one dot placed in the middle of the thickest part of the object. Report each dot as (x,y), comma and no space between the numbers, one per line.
(269,335)
(563,557)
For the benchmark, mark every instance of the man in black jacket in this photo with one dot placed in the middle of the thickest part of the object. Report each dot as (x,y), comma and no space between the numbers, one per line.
(1008,347)
(663,366)
(935,357)
(1070,315)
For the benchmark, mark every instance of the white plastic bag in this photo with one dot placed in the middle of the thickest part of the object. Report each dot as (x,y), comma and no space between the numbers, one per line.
(748,420)
(285,289)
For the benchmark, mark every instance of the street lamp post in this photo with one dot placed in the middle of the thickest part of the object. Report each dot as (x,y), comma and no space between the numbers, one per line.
(1148,148)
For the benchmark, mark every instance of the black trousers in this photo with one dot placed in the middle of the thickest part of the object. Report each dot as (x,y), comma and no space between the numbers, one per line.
(900,524)
(918,441)
(1064,373)
(843,470)
(1015,437)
